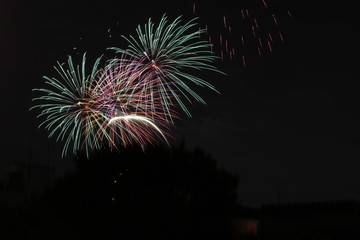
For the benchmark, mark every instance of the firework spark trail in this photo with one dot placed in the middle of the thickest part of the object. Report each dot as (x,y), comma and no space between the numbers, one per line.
(257,19)
(289,13)
(281,36)
(256,23)
(253,31)
(275,19)
(136,130)
(269,45)
(264,2)
(260,43)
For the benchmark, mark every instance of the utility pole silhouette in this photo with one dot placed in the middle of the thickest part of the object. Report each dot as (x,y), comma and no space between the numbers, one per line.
(48,163)
(29,160)
(27,187)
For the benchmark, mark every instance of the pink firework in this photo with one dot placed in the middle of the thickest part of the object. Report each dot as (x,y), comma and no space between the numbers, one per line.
(127,93)
(242,28)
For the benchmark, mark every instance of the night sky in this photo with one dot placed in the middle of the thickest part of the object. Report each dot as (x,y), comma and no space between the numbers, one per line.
(287,123)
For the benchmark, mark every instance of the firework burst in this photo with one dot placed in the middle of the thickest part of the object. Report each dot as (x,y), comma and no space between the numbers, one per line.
(109,106)
(130,104)
(133,99)
(171,51)
(69,109)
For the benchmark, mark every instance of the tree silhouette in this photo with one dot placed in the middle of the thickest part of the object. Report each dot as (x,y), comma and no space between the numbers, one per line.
(161,193)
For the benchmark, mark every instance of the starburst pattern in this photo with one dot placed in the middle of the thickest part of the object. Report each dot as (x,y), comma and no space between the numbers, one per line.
(133,98)
(172,50)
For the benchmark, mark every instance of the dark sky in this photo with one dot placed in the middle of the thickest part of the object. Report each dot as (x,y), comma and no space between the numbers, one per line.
(287,123)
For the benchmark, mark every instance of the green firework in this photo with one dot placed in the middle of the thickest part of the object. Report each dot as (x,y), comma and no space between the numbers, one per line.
(68,107)
(174,50)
